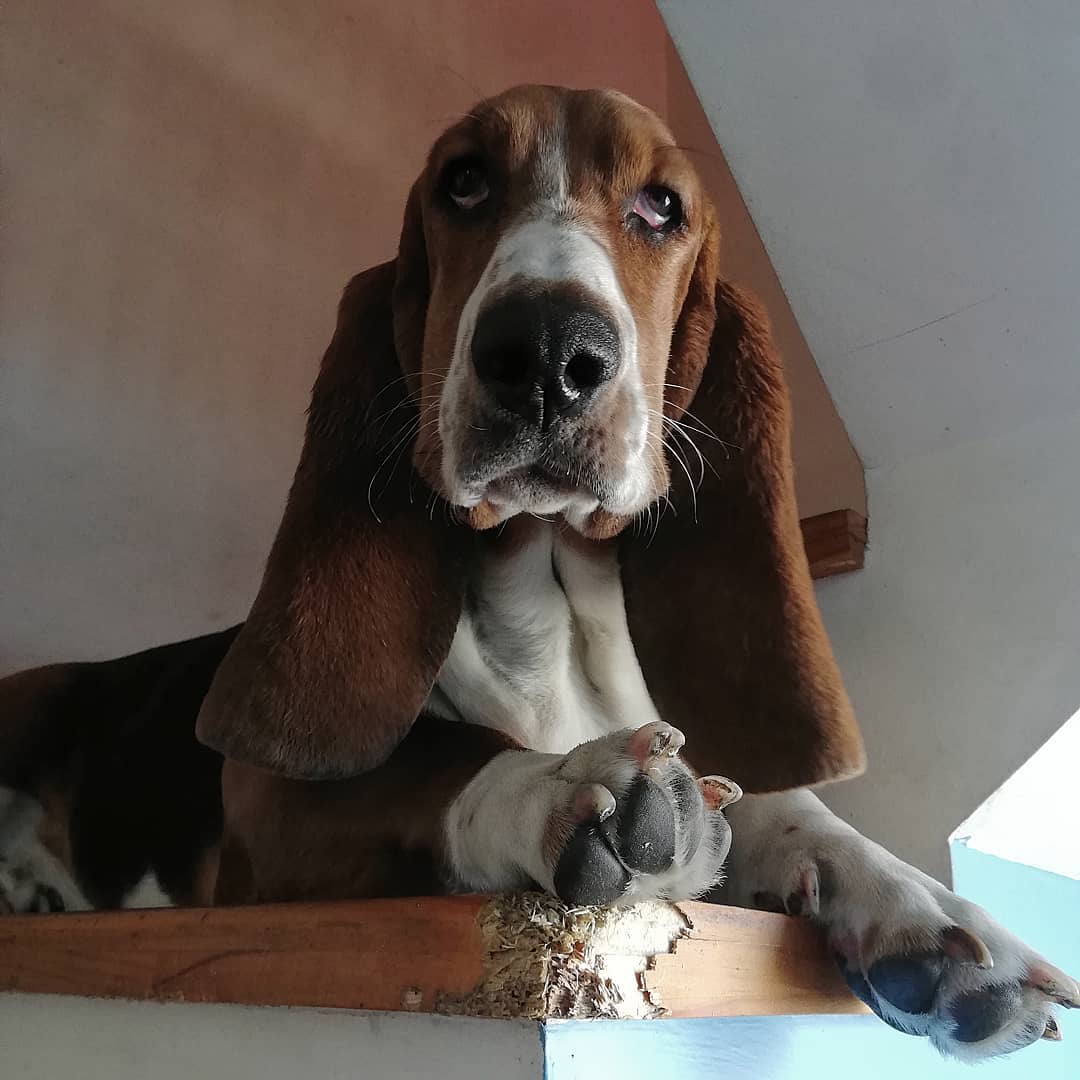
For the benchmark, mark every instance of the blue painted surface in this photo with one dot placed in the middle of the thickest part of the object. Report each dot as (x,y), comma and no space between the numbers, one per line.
(772,1048)
(1042,908)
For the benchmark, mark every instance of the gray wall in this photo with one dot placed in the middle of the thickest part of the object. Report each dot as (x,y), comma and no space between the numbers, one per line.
(913,169)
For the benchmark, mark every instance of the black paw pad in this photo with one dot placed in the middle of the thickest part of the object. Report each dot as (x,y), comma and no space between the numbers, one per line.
(647,828)
(857,984)
(907,983)
(979,1013)
(588,871)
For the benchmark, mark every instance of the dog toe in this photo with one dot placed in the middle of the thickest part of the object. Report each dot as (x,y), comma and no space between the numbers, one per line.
(588,871)
(646,831)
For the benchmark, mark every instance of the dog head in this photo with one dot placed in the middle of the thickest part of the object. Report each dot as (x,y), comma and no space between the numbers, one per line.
(553,235)
(552,323)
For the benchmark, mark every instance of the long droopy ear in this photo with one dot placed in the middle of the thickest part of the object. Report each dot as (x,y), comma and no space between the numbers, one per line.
(720,602)
(363,587)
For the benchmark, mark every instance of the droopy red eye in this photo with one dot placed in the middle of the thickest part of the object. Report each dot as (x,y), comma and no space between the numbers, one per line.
(659,207)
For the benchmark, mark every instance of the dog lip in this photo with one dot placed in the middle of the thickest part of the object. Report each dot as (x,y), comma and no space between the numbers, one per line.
(550,477)
(538,477)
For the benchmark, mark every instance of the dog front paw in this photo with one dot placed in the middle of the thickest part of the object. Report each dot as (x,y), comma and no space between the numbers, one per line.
(925,960)
(976,993)
(617,820)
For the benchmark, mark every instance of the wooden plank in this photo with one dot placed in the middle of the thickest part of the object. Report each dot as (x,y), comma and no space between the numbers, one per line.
(402,955)
(378,954)
(748,963)
(835,542)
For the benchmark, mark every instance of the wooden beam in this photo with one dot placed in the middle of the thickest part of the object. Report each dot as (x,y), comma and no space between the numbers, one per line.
(835,542)
(356,955)
(748,963)
(485,956)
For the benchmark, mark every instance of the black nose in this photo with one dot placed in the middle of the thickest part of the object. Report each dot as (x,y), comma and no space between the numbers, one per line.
(544,355)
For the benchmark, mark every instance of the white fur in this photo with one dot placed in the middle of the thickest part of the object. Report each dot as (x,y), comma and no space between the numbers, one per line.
(26,865)
(550,664)
(484,855)
(148,893)
(545,247)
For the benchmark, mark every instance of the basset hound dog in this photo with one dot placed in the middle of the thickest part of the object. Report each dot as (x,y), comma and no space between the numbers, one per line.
(542,533)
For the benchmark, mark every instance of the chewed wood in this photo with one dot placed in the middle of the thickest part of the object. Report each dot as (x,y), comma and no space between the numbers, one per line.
(393,955)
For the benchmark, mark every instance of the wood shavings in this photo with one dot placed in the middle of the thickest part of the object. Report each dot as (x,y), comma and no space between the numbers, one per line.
(544,959)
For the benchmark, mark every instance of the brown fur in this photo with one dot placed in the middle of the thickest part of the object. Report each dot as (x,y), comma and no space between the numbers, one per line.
(378,834)
(362,576)
(720,603)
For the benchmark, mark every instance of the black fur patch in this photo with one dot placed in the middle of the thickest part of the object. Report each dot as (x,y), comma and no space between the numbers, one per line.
(145,795)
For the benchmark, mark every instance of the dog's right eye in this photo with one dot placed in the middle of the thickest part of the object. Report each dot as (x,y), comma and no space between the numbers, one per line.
(466,182)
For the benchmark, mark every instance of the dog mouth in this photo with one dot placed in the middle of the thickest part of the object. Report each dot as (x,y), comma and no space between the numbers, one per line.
(493,468)
(579,493)
(542,483)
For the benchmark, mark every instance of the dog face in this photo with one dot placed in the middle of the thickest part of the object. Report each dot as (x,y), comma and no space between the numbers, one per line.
(560,230)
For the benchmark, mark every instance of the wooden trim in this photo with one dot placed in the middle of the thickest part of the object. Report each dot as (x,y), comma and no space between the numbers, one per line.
(421,955)
(346,955)
(748,963)
(835,542)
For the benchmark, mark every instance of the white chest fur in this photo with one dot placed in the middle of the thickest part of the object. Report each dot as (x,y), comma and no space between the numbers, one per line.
(542,650)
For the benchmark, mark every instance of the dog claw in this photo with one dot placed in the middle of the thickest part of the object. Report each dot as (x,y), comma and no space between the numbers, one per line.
(593,802)
(652,743)
(805,899)
(1055,984)
(719,791)
(810,888)
(1052,1032)
(963,945)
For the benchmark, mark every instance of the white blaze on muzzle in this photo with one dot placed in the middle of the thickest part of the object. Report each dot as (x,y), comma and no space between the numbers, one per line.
(540,253)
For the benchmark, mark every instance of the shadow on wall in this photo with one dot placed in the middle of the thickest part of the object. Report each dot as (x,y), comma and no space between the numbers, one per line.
(1033,819)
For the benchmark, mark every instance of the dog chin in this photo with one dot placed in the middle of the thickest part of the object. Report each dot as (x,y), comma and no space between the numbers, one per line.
(500,503)
(597,524)
(489,505)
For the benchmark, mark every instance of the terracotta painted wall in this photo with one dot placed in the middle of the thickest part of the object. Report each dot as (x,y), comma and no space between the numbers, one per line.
(187,188)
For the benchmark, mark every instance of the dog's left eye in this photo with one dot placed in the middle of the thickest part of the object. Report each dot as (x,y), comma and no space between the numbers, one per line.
(659,207)
(466,182)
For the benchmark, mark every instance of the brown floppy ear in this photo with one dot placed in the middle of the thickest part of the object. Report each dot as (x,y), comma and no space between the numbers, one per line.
(720,603)
(362,590)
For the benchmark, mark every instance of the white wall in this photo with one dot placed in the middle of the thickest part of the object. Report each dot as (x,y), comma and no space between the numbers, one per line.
(1031,818)
(52,1038)
(960,641)
(913,169)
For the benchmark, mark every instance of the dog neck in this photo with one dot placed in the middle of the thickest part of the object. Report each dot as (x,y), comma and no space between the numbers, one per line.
(542,651)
